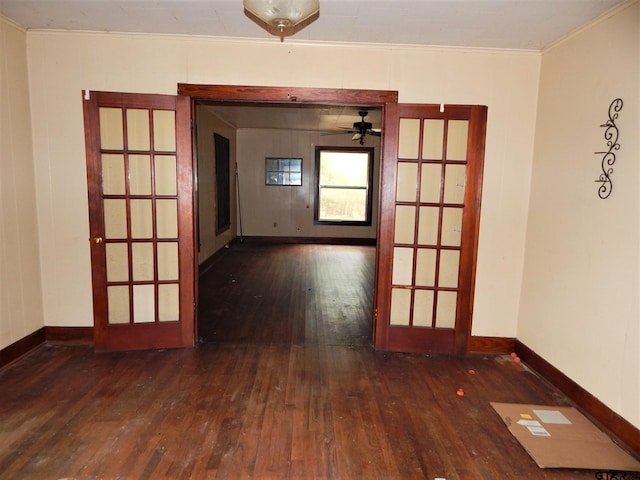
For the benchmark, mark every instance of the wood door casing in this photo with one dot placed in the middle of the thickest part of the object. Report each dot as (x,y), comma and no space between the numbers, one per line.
(288,95)
(300,96)
(426,335)
(144,290)
(386,336)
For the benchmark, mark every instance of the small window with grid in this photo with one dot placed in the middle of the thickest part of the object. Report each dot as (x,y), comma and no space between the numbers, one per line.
(283,171)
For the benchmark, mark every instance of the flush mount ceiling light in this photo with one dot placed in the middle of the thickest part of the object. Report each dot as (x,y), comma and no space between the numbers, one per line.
(282,17)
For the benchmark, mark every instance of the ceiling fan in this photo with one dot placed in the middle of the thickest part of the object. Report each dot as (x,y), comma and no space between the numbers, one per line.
(362,128)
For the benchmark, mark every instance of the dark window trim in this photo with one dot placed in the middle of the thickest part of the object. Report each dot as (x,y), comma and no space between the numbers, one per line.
(279,171)
(316,210)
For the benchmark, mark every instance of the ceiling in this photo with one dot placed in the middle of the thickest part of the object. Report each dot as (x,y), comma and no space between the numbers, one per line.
(295,117)
(511,24)
(504,24)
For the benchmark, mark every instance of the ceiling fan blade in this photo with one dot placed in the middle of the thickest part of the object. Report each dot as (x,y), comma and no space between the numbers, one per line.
(374,133)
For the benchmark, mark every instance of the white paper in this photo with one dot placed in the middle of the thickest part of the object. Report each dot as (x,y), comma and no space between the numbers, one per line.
(529,423)
(539,431)
(535,428)
(552,416)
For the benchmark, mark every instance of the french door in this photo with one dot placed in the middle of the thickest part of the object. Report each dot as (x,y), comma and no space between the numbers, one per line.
(140,181)
(430,211)
(141,215)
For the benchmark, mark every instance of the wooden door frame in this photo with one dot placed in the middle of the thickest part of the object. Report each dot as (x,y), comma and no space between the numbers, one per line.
(284,95)
(148,335)
(477,116)
(302,96)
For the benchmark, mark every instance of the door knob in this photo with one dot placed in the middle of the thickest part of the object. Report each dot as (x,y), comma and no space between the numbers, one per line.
(96,239)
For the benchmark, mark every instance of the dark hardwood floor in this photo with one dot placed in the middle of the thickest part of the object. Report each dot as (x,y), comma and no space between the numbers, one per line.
(289,294)
(285,385)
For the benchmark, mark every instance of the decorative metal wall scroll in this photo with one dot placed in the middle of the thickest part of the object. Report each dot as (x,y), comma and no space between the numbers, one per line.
(611,135)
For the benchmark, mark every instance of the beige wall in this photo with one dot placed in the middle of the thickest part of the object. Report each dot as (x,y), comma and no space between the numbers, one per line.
(580,299)
(267,210)
(20,292)
(288,211)
(62,64)
(573,296)
(206,125)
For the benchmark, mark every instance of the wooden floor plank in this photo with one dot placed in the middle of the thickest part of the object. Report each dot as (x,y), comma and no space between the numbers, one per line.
(284,412)
(285,385)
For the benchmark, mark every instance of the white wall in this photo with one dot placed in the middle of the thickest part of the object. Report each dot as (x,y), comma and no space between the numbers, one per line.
(62,64)
(20,292)
(580,299)
(287,211)
(573,296)
(269,211)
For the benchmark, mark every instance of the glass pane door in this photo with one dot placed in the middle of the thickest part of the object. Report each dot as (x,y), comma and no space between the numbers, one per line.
(428,221)
(140,195)
(141,226)
(435,159)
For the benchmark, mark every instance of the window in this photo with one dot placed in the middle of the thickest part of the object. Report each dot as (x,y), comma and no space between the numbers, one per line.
(283,171)
(343,185)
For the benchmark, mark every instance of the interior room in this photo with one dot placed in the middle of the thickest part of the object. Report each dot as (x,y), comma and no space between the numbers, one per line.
(277,213)
(548,261)
(258,131)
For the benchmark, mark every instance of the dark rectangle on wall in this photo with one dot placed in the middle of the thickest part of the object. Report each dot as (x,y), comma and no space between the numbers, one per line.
(223,185)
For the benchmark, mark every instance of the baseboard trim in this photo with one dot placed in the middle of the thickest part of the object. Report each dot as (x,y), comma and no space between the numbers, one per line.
(70,335)
(53,335)
(17,349)
(211,261)
(618,427)
(479,344)
(311,240)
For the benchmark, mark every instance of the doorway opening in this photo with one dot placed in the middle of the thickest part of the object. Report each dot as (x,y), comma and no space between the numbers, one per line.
(276,276)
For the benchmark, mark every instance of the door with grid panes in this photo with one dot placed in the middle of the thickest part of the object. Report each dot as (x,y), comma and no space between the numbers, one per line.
(140,182)
(430,207)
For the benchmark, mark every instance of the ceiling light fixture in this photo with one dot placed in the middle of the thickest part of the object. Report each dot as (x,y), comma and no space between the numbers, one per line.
(282,18)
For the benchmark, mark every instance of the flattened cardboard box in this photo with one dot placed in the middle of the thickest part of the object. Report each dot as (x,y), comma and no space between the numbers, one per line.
(561,437)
